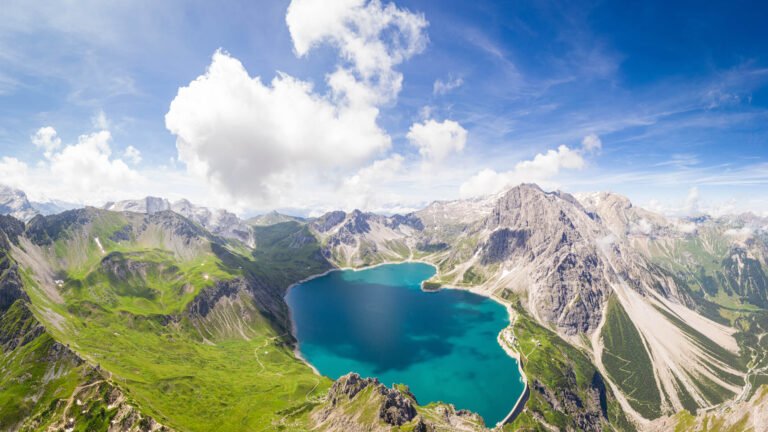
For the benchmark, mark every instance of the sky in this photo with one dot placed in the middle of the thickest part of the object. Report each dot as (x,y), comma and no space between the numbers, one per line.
(311,105)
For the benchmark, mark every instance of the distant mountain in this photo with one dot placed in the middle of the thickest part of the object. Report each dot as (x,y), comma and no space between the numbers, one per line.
(54,206)
(272,218)
(15,203)
(218,222)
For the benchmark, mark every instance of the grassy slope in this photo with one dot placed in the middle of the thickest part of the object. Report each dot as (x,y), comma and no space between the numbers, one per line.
(699,262)
(564,371)
(740,419)
(132,324)
(39,376)
(235,384)
(627,361)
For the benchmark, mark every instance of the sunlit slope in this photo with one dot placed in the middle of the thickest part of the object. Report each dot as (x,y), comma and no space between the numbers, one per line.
(180,322)
(44,385)
(191,328)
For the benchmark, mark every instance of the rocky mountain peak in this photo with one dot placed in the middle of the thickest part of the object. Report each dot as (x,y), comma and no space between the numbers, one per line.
(15,203)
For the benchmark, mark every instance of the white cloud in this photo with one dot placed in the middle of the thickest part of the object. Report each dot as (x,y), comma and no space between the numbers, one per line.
(14,172)
(541,168)
(364,189)
(253,139)
(372,38)
(277,143)
(83,172)
(132,154)
(100,121)
(87,169)
(591,143)
(441,87)
(45,138)
(745,231)
(691,206)
(642,226)
(684,227)
(437,140)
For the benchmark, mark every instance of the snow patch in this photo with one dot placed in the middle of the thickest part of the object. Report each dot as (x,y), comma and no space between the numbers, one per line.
(98,243)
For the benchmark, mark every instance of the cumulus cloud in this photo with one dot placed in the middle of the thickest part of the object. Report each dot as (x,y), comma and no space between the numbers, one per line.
(684,227)
(81,172)
(87,166)
(251,138)
(591,143)
(441,87)
(263,141)
(370,37)
(542,167)
(362,190)
(14,172)
(642,226)
(100,120)
(45,138)
(132,154)
(437,140)
(691,205)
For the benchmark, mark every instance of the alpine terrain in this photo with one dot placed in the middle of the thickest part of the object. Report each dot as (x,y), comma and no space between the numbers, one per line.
(146,315)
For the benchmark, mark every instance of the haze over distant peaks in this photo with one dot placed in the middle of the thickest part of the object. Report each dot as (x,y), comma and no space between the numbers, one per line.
(14,202)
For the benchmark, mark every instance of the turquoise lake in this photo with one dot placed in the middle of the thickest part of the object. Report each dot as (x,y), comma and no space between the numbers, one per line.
(379,323)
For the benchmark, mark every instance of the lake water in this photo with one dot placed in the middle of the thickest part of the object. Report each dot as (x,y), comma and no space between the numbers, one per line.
(377,322)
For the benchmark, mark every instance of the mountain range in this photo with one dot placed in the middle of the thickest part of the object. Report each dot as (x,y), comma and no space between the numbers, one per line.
(149,315)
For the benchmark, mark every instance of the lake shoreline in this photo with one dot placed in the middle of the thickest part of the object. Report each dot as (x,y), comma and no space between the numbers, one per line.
(516,409)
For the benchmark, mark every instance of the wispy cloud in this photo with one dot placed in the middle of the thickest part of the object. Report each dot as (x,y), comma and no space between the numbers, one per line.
(441,87)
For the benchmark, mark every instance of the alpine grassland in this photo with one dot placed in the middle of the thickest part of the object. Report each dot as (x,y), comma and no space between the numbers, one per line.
(127,306)
(555,367)
(627,361)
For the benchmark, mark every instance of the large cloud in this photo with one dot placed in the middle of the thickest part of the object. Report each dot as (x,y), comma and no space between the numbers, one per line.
(81,172)
(261,142)
(370,37)
(15,173)
(249,138)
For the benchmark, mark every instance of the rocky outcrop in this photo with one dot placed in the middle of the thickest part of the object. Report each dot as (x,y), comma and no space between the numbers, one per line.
(231,307)
(379,408)
(329,220)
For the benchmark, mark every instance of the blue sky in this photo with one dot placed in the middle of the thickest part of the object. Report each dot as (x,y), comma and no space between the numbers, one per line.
(665,103)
